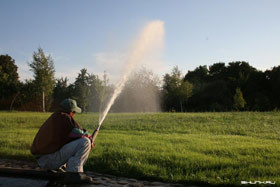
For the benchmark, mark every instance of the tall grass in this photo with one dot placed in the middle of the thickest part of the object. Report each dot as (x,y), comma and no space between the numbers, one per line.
(213,148)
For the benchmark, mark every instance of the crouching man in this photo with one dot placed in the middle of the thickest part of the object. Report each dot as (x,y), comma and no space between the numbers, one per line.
(62,143)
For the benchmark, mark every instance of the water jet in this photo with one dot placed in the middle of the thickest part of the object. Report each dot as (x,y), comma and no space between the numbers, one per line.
(150,38)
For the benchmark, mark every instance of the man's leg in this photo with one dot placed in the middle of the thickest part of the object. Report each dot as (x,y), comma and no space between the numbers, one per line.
(78,159)
(74,153)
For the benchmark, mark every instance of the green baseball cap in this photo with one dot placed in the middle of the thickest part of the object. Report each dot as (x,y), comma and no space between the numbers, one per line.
(70,105)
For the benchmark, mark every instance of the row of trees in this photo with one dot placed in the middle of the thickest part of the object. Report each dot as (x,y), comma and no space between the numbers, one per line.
(219,87)
(44,92)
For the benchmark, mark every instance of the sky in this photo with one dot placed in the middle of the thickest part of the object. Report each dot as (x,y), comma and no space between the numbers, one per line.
(96,34)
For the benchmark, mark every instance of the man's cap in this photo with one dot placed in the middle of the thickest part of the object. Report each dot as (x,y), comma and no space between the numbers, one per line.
(70,105)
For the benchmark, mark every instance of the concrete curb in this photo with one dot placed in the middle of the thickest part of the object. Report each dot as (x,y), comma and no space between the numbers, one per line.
(29,170)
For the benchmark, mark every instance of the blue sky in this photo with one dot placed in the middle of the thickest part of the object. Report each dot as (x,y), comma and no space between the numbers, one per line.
(94,34)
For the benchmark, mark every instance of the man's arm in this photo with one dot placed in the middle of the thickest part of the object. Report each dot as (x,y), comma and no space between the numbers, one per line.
(78,133)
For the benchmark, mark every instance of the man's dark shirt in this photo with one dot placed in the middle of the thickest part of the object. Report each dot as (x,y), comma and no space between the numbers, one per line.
(54,133)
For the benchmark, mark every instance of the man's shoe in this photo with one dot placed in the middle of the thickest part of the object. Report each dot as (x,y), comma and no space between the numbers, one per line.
(59,170)
(77,178)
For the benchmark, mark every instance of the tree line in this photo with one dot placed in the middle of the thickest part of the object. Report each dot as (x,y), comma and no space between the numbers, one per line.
(219,87)
(236,86)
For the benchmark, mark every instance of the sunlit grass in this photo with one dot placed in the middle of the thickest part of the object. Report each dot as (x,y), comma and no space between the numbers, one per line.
(215,148)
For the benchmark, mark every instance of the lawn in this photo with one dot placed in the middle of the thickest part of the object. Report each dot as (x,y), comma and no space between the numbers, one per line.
(215,148)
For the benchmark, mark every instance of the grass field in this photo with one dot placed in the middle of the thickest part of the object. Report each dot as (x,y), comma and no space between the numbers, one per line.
(215,148)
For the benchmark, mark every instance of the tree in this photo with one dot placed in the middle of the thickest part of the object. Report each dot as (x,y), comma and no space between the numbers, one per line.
(43,68)
(9,83)
(273,80)
(217,71)
(8,70)
(241,75)
(256,92)
(239,101)
(214,89)
(215,96)
(30,96)
(184,92)
(97,92)
(61,91)
(106,90)
(199,75)
(88,91)
(176,90)
(82,89)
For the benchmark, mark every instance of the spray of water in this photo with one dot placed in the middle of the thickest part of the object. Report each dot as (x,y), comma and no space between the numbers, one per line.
(150,38)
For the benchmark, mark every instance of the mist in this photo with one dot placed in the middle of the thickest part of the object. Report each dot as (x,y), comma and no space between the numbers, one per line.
(149,40)
(141,93)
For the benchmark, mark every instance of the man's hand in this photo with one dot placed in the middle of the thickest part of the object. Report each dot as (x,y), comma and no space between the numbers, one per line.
(92,143)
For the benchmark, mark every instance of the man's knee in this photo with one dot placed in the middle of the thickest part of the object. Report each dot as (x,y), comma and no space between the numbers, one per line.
(86,142)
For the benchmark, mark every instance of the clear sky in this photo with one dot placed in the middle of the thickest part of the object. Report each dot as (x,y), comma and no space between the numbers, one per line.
(94,33)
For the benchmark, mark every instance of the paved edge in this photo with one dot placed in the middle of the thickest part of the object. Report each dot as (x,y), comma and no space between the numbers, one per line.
(29,173)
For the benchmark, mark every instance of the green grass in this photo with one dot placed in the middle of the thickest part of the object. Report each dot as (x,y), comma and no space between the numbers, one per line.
(215,148)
